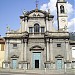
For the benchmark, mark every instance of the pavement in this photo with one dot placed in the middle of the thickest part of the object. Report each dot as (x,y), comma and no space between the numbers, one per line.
(31,74)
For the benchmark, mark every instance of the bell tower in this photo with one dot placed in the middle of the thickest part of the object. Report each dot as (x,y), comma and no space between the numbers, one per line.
(62,15)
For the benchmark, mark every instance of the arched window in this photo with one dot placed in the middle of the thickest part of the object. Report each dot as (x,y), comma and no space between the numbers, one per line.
(36,28)
(62,9)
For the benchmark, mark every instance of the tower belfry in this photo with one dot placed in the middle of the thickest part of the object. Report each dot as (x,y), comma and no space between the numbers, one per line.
(62,14)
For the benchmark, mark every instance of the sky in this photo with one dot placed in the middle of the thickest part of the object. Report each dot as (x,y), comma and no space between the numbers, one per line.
(10,10)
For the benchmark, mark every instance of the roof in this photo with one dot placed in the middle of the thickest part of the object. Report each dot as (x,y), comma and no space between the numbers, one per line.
(2,41)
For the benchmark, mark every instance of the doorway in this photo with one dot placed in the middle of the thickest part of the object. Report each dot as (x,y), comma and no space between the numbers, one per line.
(36,63)
(36,60)
(14,63)
(59,64)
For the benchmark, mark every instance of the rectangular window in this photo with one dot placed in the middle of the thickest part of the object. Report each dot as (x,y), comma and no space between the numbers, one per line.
(58,45)
(30,29)
(14,45)
(42,29)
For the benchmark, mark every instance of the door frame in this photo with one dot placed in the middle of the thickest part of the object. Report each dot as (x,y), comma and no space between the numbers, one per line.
(14,57)
(16,64)
(40,61)
(60,57)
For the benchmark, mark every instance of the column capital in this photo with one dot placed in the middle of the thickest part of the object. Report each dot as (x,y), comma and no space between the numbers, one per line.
(25,40)
(47,40)
(51,41)
(46,18)
(26,18)
(7,41)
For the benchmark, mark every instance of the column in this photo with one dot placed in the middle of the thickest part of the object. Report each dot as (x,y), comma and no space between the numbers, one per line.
(51,50)
(48,50)
(26,24)
(25,48)
(23,25)
(22,52)
(6,50)
(6,61)
(47,27)
(67,50)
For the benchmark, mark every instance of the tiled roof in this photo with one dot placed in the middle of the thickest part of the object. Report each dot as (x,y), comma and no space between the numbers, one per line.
(2,40)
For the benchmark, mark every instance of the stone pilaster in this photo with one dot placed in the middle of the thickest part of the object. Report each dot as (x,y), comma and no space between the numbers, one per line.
(48,52)
(23,64)
(47,25)
(6,50)
(25,48)
(22,51)
(67,50)
(51,50)
(25,24)
(6,62)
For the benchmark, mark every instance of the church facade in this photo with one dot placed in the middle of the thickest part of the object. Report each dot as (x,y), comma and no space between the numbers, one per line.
(37,45)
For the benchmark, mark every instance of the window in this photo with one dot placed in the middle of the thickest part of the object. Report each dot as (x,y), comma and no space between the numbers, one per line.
(58,45)
(36,28)
(62,9)
(30,29)
(42,29)
(15,45)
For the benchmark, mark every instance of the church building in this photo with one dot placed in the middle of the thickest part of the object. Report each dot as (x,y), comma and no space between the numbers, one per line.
(37,44)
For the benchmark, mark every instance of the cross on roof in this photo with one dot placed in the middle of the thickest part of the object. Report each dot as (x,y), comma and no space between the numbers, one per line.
(37,4)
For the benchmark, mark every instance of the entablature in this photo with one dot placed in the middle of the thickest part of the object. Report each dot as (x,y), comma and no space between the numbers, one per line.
(57,35)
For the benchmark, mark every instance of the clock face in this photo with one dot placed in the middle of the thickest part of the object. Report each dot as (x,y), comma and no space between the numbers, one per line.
(63,20)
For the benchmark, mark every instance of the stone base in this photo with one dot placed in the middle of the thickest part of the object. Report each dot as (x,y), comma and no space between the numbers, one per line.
(6,64)
(52,65)
(67,65)
(47,65)
(73,64)
(23,65)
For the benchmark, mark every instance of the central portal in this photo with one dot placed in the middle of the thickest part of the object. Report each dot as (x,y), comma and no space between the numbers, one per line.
(36,60)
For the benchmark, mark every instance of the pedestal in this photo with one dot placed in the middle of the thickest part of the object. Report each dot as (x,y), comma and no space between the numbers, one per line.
(73,64)
(67,65)
(23,65)
(47,65)
(6,64)
(52,65)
